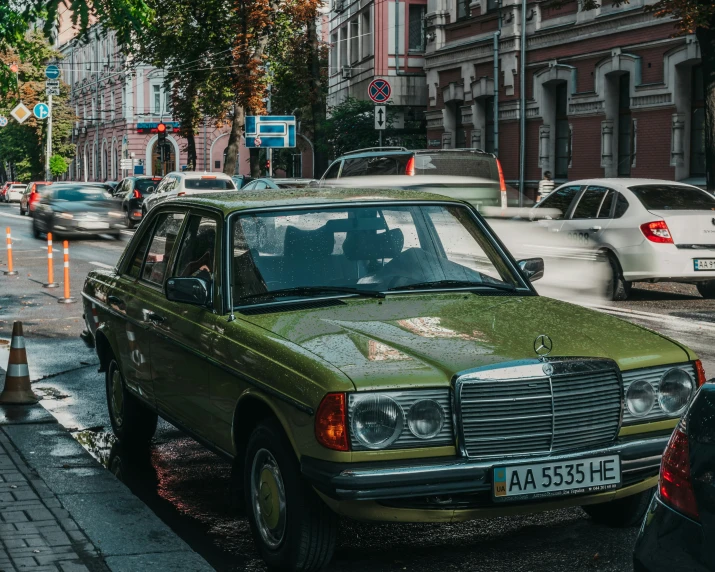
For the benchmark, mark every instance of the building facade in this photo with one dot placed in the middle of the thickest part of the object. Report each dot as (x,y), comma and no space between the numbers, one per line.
(607,92)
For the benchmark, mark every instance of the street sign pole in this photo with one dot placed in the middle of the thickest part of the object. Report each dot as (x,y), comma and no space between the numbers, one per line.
(48,153)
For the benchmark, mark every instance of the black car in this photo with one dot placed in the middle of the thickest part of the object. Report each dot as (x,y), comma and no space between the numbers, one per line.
(77,209)
(678,532)
(131,192)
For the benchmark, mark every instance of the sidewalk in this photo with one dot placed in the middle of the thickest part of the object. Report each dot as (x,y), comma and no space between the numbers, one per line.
(60,510)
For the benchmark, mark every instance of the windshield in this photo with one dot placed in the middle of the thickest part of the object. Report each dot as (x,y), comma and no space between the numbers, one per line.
(210,184)
(673,198)
(146,186)
(363,248)
(79,194)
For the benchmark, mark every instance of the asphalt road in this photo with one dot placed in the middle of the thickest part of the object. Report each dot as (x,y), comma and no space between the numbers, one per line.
(188,487)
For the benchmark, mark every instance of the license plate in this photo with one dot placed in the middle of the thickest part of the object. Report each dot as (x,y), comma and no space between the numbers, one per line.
(95,225)
(573,477)
(704,263)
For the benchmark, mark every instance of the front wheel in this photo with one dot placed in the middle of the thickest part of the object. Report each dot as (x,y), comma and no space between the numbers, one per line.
(294,530)
(707,289)
(621,513)
(132,421)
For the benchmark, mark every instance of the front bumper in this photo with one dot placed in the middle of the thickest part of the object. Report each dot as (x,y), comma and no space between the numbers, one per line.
(417,479)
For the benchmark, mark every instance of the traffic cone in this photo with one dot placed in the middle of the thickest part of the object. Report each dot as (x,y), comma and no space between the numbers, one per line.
(17,378)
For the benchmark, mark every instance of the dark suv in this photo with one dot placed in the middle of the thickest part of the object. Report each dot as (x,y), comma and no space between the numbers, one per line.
(467,174)
(131,191)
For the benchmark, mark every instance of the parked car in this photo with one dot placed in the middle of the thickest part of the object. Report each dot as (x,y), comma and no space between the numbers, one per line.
(30,196)
(677,532)
(76,209)
(378,355)
(473,175)
(268,183)
(14,191)
(4,189)
(651,230)
(179,184)
(131,191)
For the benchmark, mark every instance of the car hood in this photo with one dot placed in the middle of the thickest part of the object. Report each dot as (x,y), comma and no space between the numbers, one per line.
(418,340)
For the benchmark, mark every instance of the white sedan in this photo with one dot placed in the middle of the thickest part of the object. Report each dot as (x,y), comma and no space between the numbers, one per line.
(650,230)
(14,193)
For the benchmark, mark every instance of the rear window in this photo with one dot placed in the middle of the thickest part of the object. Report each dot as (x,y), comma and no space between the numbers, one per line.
(210,184)
(146,186)
(367,166)
(18,187)
(79,194)
(673,198)
(459,164)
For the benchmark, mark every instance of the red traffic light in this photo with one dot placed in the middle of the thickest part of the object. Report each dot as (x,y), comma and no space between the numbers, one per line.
(161,128)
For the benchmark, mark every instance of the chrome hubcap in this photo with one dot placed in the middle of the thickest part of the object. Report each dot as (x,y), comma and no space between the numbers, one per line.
(268,498)
(117,397)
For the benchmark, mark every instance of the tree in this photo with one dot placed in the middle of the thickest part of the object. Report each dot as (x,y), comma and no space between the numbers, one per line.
(58,165)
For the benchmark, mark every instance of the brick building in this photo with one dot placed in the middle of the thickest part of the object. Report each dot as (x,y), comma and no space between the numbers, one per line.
(608,92)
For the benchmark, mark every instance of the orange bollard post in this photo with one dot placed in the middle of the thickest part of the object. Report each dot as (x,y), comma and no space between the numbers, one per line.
(66,299)
(50,265)
(10,271)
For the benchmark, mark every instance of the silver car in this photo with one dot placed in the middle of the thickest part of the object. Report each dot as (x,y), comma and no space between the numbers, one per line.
(179,184)
(650,230)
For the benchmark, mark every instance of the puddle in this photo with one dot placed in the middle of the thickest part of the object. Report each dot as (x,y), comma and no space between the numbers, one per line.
(50,393)
(98,443)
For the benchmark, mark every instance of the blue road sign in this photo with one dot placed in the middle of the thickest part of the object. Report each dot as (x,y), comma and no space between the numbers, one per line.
(41,111)
(52,72)
(3,121)
(379,90)
(276,131)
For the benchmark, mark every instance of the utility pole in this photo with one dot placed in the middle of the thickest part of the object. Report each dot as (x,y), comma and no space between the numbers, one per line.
(268,109)
(48,151)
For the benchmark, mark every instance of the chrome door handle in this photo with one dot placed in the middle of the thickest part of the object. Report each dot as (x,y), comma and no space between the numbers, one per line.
(595,228)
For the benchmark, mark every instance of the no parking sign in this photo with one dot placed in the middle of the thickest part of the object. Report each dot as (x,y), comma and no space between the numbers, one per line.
(379,90)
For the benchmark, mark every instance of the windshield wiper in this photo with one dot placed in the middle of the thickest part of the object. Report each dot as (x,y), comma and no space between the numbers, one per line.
(304,290)
(455,284)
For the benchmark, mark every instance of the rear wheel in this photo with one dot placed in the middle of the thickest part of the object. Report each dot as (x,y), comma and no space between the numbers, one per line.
(23,212)
(35,229)
(132,421)
(617,289)
(707,289)
(622,513)
(130,222)
(293,528)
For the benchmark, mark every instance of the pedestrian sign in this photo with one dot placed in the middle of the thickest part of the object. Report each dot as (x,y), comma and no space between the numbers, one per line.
(3,121)
(52,72)
(270,131)
(379,90)
(41,111)
(20,113)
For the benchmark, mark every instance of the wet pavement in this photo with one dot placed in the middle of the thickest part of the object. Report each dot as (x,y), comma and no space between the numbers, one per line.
(189,487)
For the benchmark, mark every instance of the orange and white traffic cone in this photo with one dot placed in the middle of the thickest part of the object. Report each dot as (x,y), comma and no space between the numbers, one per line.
(17,378)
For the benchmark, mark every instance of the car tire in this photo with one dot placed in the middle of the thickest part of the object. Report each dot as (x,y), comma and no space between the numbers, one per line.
(292,527)
(130,222)
(132,421)
(35,231)
(617,289)
(22,211)
(621,513)
(707,289)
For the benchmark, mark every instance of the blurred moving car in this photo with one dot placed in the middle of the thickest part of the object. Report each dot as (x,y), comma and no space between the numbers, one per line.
(650,230)
(481,179)
(678,532)
(268,183)
(241,180)
(131,191)
(179,184)
(30,196)
(14,191)
(76,209)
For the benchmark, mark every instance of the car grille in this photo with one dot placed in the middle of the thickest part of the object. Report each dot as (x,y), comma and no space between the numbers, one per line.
(539,414)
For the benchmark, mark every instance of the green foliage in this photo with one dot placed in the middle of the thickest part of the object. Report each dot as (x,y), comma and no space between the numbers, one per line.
(58,165)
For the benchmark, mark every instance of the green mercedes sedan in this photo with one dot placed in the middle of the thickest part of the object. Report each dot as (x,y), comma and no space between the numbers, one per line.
(377,355)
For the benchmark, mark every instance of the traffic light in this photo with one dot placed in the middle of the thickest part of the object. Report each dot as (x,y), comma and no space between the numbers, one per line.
(268,165)
(161,130)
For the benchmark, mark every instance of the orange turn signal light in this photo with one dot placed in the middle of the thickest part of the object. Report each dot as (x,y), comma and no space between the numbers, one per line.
(331,425)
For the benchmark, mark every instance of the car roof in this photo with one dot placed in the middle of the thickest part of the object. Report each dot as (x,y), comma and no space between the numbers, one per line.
(199,174)
(387,151)
(626,182)
(232,201)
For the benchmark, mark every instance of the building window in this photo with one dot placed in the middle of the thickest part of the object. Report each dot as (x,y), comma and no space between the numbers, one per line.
(563,133)
(460,137)
(343,47)
(697,124)
(462,9)
(625,127)
(112,106)
(101,107)
(489,124)
(354,42)
(366,34)
(492,5)
(334,53)
(156,93)
(167,102)
(417,27)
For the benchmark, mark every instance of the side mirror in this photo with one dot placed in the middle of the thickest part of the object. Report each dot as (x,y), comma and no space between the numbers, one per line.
(532,268)
(149,189)
(188,290)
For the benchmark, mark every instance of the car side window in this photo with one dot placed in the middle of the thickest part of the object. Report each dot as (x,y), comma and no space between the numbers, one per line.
(333,171)
(355,167)
(590,202)
(260,185)
(621,206)
(157,257)
(607,204)
(135,268)
(560,200)
(197,251)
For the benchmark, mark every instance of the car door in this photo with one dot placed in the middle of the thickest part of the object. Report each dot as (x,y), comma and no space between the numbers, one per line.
(554,209)
(590,217)
(183,347)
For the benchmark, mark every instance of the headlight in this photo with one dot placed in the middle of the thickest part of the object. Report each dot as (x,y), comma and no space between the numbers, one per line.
(377,421)
(65,215)
(674,391)
(640,398)
(116,214)
(425,419)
